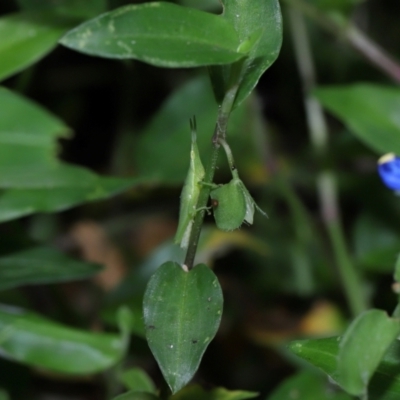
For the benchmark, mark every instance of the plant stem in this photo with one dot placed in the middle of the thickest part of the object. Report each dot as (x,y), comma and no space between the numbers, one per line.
(219,133)
(356,38)
(228,153)
(326,184)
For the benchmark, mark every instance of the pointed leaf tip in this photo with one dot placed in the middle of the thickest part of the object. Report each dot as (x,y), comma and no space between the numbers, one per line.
(182,312)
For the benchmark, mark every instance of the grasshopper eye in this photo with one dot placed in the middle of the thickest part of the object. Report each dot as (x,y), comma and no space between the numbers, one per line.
(214,203)
(389,170)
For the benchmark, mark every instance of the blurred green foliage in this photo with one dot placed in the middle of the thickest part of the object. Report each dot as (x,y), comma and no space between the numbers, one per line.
(131,121)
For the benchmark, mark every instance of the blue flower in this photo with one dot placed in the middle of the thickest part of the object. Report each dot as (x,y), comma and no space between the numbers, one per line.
(389,170)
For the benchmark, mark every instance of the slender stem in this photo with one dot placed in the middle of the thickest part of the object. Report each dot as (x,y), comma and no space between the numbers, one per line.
(228,153)
(326,184)
(373,52)
(219,133)
(356,38)
(349,276)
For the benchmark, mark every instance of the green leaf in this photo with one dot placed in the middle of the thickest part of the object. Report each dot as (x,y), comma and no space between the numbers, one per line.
(167,133)
(195,392)
(38,342)
(206,5)
(161,34)
(134,395)
(362,347)
(306,385)
(182,311)
(376,245)
(35,179)
(369,111)
(42,265)
(323,353)
(136,379)
(36,131)
(4,395)
(26,38)
(72,8)
(258,24)
(16,203)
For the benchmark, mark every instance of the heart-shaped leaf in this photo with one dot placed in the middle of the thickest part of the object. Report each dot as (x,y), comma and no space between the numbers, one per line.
(182,312)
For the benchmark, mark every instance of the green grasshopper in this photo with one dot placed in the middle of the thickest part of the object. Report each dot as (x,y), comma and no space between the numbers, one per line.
(232,203)
(190,192)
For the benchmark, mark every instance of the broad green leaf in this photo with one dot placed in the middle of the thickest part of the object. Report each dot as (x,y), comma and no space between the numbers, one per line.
(161,34)
(195,392)
(26,38)
(182,311)
(212,242)
(362,347)
(38,342)
(16,203)
(376,245)
(168,135)
(136,379)
(206,5)
(42,265)
(72,8)
(258,24)
(306,385)
(35,181)
(34,175)
(134,395)
(369,111)
(4,395)
(323,353)
(37,129)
